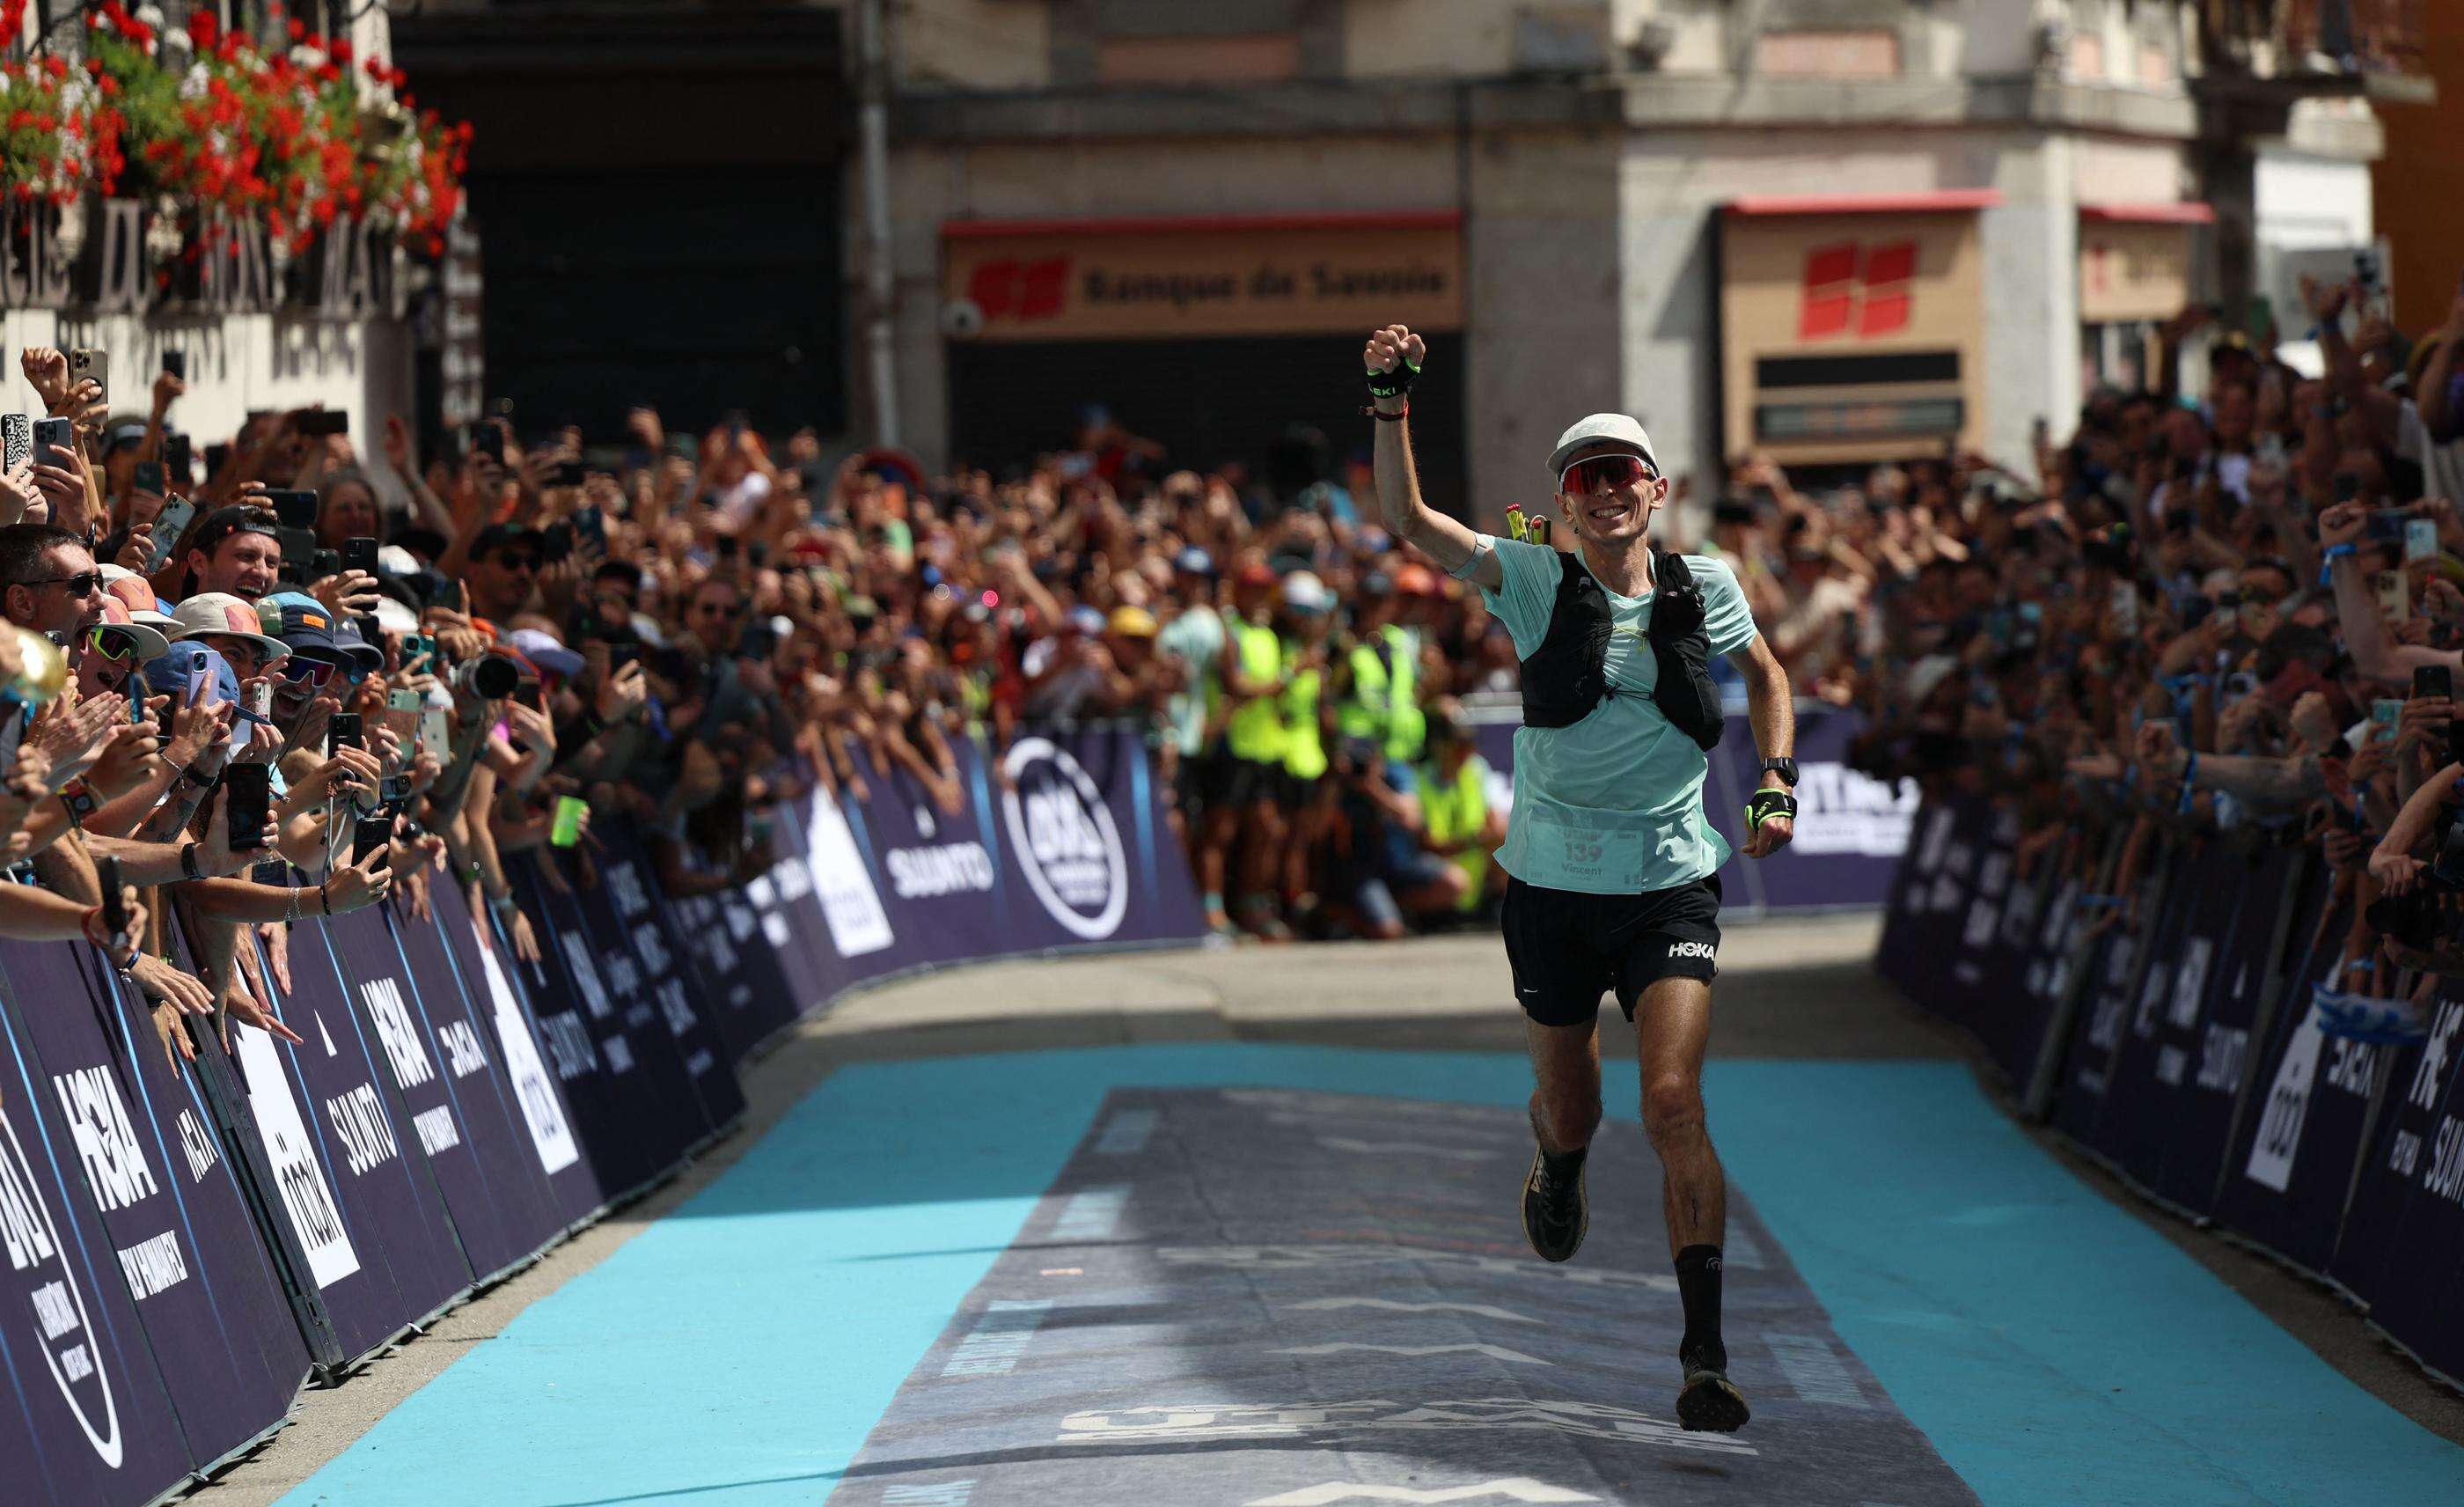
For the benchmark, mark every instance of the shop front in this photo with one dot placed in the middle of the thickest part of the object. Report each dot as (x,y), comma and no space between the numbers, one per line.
(1215,337)
(1853,328)
(2135,262)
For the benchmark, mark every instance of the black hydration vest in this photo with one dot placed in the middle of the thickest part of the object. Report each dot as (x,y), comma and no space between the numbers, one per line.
(1566,676)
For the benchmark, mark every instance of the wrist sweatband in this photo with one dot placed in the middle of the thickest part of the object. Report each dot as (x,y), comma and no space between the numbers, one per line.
(1764,804)
(1479,551)
(1393,384)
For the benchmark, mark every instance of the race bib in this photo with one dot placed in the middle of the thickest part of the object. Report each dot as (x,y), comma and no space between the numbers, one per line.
(1588,857)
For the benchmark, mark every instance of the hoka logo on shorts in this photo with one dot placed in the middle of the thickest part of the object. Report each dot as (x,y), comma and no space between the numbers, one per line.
(1691,949)
(1063,836)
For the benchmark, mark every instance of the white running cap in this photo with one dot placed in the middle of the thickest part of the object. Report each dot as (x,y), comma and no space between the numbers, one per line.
(1602,429)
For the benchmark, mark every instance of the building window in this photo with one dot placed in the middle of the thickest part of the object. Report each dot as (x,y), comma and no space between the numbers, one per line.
(1256,57)
(1826,54)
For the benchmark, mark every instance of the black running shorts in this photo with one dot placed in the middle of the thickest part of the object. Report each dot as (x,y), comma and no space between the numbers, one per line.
(1568,948)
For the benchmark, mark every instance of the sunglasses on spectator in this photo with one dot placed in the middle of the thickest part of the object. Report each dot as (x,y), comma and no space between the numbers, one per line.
(113,643)
(299,671)
(1593,472)
(85,583)
(519,559)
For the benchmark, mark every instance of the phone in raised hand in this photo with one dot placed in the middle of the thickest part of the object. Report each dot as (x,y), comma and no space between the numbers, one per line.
(115,900)
(247,803)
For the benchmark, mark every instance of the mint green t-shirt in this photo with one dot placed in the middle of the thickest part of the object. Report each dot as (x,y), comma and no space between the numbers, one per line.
(1614,803)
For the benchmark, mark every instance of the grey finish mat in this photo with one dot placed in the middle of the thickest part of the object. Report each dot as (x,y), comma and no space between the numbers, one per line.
(1267,1298)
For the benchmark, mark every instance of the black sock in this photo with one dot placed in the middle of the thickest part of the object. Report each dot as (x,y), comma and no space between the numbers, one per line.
(1698,1288)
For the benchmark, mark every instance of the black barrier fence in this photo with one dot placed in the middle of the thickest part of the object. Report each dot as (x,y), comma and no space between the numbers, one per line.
(2174,1034)
(186,1246)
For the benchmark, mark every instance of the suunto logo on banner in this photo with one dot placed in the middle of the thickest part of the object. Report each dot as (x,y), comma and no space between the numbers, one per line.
(62,1331)
(952,869)
(1065,840)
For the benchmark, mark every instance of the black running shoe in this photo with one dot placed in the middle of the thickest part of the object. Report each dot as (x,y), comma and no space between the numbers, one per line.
(1555,1213)
(1709,1402)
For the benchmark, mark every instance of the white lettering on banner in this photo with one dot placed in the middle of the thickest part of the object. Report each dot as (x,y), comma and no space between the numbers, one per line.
(742,922)
(394,1029)
(2431,1070)
(794,880)
(850,903)
(197,1145)
(2142,1022)
(62,1327)
(625,882)
(1996,875)
(1938,828)
(542,1112)
(305,1194)
(952,869)
(2288,1107)
(624,980)
(619,1053)
(463,1054)
(1062,832)
(2446,1176)
(568,1045)
(993,1347)
(2351,1065)
(153,1265)
(114,1166)
(2222,1055)
(1518,1488)
(2190,984)
(700,1062)
(2403,1154)
(2172,1065)
(585,973)
(359,1118)
(437,1129)
(1982,915)
(1364,1419)
(653,946)
(676,1008)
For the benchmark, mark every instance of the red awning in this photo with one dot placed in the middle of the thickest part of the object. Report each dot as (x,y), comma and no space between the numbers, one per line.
(2150,214)
(1207,224)
(1936,201)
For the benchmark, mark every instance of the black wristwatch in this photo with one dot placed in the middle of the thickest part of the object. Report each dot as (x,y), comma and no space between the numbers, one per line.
(1785,769)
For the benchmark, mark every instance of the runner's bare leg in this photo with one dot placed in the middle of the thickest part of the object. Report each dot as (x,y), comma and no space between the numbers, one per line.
(1672,1026)
(1565,1074)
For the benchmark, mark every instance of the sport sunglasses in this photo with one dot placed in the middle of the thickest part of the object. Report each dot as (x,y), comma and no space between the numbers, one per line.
(1593,472)
(113,642)
(299,670)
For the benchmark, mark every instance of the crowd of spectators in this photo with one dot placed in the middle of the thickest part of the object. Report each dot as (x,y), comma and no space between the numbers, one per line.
(2236,617)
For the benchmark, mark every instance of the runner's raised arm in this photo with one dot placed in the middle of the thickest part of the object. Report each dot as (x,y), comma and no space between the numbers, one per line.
(1393,358)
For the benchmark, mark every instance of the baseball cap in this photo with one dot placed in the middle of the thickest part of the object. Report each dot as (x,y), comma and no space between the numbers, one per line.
(150,642)
(1133,622)
(221,612)
(542,648)
(1416,580)
(1304,592)
(1194,561)
(304,625)
(498,535)
(347,638)
(237,519)
(1256,573)
(1615,429)
(1085,620)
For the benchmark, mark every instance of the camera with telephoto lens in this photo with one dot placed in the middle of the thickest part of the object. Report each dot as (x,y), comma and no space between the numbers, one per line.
(489,676)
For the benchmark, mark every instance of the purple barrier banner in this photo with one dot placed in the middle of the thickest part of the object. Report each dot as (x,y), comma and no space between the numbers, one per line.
(182,1240)
(634,1121)
(631,923)
(86,1418)
(1851,827)
(362,1196)
(1065,846)
(2402,1243)
(2404,1224)
(2130,981)
(436,1054)
(2292,1163)
(537,1103)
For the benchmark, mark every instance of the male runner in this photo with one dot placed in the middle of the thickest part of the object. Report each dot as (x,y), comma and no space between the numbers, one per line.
(1611,869)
